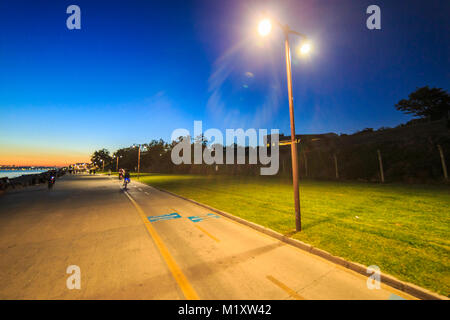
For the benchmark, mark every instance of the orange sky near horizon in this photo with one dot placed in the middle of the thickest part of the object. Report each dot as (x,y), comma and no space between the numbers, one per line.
(42,157)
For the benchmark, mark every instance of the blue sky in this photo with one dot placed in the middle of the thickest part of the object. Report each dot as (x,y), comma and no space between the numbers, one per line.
(137,70)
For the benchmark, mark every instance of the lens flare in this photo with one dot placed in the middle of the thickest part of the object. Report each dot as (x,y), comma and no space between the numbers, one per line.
(264,27)
(305,48)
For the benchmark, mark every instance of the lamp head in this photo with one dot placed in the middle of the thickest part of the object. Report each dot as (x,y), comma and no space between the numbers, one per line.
(305,48)
(264,27)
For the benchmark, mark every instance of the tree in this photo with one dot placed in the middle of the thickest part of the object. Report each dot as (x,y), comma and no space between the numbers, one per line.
(156,158)
(101,156)
(426,103)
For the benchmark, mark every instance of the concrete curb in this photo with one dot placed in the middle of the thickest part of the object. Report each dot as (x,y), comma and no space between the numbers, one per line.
(389,280)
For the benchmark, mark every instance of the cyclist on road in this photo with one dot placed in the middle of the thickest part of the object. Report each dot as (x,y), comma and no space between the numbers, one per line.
(126,179)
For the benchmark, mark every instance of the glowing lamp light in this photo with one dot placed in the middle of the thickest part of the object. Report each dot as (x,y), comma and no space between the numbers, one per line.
(264,27)
(305,48)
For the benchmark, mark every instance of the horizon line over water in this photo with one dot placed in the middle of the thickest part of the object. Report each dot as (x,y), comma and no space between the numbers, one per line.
(10,174)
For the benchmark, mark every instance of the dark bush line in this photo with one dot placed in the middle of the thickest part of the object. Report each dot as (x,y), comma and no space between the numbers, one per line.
(409,154)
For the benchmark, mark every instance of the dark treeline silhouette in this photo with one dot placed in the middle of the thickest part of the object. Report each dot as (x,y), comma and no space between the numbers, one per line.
(155,157)
(415,152)
(409,153)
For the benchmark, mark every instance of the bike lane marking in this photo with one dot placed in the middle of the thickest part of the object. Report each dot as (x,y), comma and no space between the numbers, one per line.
(164,217)
(202,217)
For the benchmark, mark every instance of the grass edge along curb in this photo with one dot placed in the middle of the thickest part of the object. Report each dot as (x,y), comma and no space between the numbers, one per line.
(406,287)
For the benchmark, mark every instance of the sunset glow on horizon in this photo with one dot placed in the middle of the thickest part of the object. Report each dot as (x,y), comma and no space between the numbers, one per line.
(42,157)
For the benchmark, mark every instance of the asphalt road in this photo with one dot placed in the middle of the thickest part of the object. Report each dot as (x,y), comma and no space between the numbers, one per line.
(88,221)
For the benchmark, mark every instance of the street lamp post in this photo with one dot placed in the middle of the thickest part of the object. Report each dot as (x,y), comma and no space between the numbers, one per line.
(139,160)
(117,163)
(298,222)
(265,27)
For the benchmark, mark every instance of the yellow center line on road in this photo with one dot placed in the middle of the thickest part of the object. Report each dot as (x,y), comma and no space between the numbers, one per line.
(285,288)
(180,278)
(201,229)
(386,287)
(207,233)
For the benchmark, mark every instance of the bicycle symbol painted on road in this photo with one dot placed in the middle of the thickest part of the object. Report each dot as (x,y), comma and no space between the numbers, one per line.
(203,217)
(174,215)
(169,216)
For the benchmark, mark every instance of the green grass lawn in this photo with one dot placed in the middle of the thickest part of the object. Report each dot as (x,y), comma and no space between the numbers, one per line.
(403,229)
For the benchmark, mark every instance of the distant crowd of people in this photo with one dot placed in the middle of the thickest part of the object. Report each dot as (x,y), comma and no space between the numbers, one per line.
(75,171)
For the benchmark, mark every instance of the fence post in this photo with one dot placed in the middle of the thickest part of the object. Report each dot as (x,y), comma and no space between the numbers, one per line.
(336,166)
(380,160)
(306,164)
(444,167)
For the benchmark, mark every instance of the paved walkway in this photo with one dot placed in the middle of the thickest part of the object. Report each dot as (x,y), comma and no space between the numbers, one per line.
(147,244)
